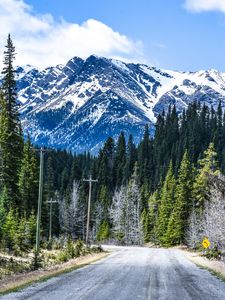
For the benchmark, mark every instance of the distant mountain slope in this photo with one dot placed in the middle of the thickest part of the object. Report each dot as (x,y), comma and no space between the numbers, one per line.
(77,106)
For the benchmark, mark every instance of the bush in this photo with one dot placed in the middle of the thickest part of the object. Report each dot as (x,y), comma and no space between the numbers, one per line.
(96,249)
(79,248)
(103,232)
(213,253)
(59,243)
(9,230)
(37,261)
(62,257)
(11,266)
(70,249)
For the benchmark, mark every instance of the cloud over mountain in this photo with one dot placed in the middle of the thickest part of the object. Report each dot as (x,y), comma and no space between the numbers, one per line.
(41,40)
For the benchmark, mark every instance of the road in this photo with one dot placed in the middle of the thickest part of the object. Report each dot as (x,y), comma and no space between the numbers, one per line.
(131,274)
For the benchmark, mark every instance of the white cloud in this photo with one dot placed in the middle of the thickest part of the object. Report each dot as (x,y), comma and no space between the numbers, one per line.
(205,5)
(41,40)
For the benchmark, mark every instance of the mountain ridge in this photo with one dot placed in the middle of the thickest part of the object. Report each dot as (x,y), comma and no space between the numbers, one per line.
(78,105)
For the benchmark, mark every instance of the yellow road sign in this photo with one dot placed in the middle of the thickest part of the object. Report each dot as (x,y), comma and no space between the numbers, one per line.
(206,243)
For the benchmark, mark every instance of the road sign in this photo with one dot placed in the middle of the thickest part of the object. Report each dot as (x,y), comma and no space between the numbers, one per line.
(206,243)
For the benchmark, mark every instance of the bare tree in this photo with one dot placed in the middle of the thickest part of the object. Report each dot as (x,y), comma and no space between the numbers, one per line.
(194,232)
(118,213)
(211,222)
(134,230)
(126,215)
(72,213)
(214,219)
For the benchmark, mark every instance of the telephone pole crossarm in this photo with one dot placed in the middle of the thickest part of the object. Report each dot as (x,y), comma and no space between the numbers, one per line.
(90,180)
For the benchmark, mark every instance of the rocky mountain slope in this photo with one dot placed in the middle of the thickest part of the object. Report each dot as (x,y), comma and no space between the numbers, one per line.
(77,106)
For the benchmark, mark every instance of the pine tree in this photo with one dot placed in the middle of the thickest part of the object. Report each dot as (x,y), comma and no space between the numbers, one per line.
(31,224)
(120,160)
(3,212)
(9,230)
(103,232)
(22,236)
(102,213)
(153,209)
(106,162)
(146,161)
(28,178)
(208,165)
(167,199)
(146,225)
(11,141)
(130,159)
(177,224)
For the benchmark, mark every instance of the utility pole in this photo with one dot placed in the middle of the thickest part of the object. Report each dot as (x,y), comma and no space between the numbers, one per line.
(37,247)
(50,218)
(90,180)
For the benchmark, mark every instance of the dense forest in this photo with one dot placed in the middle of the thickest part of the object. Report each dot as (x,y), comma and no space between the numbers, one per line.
(161,191)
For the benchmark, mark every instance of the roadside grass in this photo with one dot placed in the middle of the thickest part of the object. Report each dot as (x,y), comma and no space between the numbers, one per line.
(214,267)
(34,277)
(219,275)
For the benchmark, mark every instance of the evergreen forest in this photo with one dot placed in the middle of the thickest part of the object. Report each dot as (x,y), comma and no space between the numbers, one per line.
(160,191)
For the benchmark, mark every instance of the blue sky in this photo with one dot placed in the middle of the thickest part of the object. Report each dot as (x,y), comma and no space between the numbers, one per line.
(177,34)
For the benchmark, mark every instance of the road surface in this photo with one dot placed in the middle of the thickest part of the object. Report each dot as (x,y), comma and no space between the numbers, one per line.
(131,274)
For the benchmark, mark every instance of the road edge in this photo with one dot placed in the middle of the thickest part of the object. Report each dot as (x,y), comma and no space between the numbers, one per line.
(60,270)
(204,263)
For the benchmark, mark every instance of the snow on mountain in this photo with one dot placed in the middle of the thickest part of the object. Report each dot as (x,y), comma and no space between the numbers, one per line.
(77,106)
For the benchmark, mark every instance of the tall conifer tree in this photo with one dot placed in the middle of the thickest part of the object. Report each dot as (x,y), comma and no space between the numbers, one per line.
(183,201)
(208,165)
(28,179)
(167,198)
(11,141)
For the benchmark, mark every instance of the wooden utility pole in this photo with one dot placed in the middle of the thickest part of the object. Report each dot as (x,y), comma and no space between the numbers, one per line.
(37,247)
(90,180)
(40,192)
(50,218)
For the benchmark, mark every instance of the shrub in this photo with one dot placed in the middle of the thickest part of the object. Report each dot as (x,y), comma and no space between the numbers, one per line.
(103,232)
(37,261)
(62,257)
(79,248)
(96,249)
(213,253)
(70,249)
(59,243)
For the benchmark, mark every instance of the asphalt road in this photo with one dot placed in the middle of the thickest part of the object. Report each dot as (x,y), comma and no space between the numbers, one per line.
(131,274)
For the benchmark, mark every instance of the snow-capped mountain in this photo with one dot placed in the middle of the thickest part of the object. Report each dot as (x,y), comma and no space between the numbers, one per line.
(77,106)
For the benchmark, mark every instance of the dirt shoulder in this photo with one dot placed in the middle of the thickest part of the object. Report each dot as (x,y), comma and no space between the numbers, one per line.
(217,267)
(14,282)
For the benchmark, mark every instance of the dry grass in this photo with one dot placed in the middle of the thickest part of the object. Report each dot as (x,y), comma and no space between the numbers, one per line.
(15,282)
